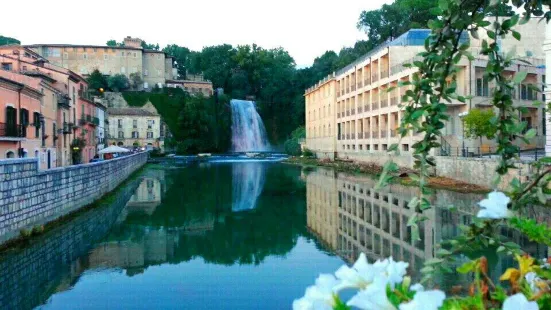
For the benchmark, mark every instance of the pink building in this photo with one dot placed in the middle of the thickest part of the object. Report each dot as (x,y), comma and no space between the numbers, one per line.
(67,111)
(20,102)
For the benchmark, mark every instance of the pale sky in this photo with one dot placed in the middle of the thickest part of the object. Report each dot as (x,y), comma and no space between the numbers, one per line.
(305,28)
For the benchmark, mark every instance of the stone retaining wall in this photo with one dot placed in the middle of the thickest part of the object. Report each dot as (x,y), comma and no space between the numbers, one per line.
(30,197)
(478,171)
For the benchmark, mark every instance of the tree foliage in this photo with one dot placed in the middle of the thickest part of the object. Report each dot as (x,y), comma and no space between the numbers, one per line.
(480,123)
(136,80)
(118,82)
(7,40)
(147,46)
(114,43)
(96,81)
(292,145)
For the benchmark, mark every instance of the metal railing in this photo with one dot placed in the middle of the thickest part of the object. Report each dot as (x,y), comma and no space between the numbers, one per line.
(353,136)
(393,133)
(12,131)
(374,78)
(338,114)
(347,136)
(360,110)
(384,74)
(367,81)
(375,134)
(82,120)
(353,87)
(353,112)
(367,135)
(487,152)
(64,101)
(348,113)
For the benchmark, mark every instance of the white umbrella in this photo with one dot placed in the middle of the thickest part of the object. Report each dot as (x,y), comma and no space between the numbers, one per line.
(113,149)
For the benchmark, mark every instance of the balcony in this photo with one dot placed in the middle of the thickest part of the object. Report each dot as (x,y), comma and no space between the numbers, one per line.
(347,136)
(82,121)
(88,118)
(12,132)
(367,82)
(374,78)
(375,134)
(366,107)
(393,133)
(86,95)
(384,74)
(360,135)
(353,112)
(353,136)
(95,121)
(359,85)
(348,113)
(384,103)
(384,133)
(367,135)
(338,93)
(375,105)
(338,114)
(353,87)
(360,110)
(394,101)
(64,101)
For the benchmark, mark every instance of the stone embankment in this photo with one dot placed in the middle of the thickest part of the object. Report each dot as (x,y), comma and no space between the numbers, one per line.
(31,197)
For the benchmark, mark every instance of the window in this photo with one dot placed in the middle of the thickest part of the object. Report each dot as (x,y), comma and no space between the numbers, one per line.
(36,123)
(405,147)
(482,87)
(54,133)
(7,66)
(135,123)
(145,72)
(121,135)
(527,93)
(150,123)
(24,68)
(135,55)
(119,123)
(528,121)
(65,55)
(84,56)
(150,135)
(105,57)
(135,135)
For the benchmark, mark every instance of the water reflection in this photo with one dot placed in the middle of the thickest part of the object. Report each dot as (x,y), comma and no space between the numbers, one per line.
(248,183)
(351,217)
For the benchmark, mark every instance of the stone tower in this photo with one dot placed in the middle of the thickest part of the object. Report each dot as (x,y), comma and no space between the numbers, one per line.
(133,42)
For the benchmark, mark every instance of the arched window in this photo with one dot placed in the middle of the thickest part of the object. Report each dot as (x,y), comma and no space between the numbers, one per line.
(10,154)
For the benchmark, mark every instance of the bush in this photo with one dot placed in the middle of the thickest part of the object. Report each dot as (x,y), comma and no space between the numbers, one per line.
(308,153)
(292,145)
(118,82)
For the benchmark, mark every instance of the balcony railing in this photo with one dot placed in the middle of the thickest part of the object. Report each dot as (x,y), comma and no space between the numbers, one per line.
(360,135)
(384,133)
(353,87)
(89,118)
(66,128)
(353,136)
(366,107)
(12,131)
(95,121)
(367,135)
(374,78)
(85,95)
(338,114)
(64,101)
(384,103)
(393,133)
(375,134)
(360,109)
(359,85)
(384,74)
(367,81)
(338,93)
(347,136)
(82,121)
(353,111)
(348,113)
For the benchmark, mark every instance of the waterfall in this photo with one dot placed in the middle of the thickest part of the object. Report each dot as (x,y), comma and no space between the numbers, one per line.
(247,184)
(248,131)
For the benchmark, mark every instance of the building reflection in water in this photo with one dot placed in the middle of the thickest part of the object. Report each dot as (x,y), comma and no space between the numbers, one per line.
(248,182)
(350,217)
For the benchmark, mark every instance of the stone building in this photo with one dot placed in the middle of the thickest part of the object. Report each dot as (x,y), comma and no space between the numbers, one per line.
(134,127)
(192,87)
(363,117)
(154,67)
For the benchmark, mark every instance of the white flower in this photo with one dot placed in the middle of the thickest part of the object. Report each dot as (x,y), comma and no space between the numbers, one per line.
(360,275)
(418,287)
(318,296)
(494,207)
(519,302)
(545,263)
(425,300)
(395,272)
(363,274)
(373,297)
(534,280)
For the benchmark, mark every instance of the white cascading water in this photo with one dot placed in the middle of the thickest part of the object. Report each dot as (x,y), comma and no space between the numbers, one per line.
(248,131)
(247,184)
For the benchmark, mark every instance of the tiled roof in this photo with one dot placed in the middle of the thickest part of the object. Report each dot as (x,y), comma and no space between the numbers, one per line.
(130,111)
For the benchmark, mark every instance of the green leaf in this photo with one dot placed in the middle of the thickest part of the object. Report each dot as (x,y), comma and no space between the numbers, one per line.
(516,35)
(417,114)
(519,77)
(530,134)
(467,267)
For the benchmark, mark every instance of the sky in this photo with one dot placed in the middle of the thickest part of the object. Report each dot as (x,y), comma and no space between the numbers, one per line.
(305,28)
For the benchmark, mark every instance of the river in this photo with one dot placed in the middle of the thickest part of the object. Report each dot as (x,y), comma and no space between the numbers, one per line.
(226,235)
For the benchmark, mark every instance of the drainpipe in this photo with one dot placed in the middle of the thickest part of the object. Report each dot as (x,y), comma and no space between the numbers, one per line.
(19,109)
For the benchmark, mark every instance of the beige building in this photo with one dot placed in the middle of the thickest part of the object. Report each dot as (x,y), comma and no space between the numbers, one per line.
(153,66)
(367,116)
(193,84)
(134,127)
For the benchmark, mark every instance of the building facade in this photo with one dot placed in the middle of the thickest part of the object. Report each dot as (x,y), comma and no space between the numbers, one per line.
(58,119)
(134,127)
(192,87)
(367,115)
(154,67)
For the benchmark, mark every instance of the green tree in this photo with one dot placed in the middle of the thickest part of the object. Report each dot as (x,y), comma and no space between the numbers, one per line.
(150,46)
(479,123)
(292,145)
(96,81)
(114,43)
(136,80)
(118,82)
(7,40)
(183,57)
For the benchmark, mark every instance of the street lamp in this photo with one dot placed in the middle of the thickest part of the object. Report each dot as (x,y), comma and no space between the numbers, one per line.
(462,118)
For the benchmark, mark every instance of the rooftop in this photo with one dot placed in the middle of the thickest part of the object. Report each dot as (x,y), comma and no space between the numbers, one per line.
(130,111)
